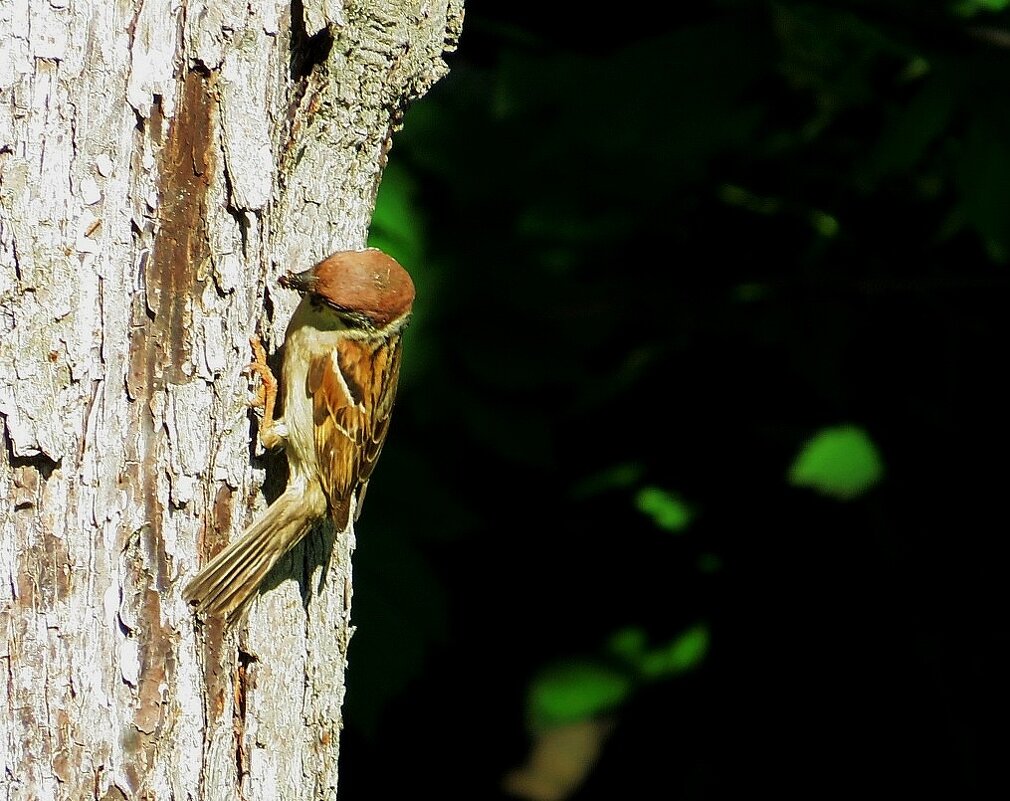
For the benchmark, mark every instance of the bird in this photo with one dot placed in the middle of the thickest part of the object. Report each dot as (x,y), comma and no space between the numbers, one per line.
(339,375)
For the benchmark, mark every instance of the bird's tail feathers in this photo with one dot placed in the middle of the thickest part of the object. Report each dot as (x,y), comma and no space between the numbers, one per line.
(228,581)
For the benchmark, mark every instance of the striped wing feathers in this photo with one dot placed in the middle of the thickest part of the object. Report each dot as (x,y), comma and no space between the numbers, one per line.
(352,391)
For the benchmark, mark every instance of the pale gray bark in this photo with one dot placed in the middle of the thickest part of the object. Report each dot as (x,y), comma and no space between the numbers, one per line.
(161,161)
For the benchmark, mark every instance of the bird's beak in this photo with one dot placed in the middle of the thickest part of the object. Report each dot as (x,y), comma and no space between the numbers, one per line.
(300,282)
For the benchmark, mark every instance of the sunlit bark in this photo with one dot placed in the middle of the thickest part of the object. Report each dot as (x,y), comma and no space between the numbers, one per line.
(160,162)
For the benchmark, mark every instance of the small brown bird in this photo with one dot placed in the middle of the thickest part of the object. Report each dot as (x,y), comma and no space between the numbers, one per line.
(339,375)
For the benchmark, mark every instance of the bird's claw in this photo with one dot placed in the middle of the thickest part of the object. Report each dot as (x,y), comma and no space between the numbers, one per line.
(266,392)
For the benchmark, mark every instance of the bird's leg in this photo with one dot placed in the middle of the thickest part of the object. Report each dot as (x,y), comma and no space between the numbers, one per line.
(266,393)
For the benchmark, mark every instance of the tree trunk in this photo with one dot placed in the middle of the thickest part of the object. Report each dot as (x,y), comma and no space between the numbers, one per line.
(160,163)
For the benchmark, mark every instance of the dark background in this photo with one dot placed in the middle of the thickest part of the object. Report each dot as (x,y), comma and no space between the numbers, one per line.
(657,254)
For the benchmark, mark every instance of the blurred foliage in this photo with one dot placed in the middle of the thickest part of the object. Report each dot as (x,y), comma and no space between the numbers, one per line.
(684,652)
(575,691)
(841,462)
(579,689)
(968,8)
(667,250)
(666,509)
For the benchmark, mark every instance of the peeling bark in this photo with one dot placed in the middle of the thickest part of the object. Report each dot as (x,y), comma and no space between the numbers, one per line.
(161,161)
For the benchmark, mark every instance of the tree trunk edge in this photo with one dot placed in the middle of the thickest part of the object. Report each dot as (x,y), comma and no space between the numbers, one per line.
(148,198)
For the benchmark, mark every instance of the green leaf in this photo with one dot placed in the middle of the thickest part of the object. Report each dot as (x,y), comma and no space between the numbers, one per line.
(620,476)
(681,654)
(841,462)
(969,8)
(667,510)
(825,224)
(983,178)
(911,129)
(575,691)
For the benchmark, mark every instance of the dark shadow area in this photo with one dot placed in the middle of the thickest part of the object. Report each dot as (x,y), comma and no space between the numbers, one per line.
(701,434)
(307,51)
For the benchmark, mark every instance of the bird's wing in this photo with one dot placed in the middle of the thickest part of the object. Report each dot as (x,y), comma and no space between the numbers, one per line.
(352,391)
